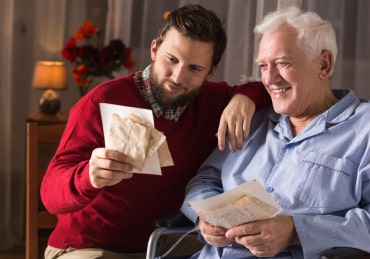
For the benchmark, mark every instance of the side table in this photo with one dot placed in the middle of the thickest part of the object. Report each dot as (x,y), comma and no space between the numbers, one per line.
(43,133)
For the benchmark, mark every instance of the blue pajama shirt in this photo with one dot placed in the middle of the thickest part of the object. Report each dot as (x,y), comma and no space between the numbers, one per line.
(320,177)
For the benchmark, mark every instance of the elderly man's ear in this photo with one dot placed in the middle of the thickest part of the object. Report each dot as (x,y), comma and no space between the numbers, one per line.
(326,64)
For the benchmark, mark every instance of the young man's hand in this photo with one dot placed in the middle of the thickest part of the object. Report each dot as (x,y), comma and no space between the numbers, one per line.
(235,122)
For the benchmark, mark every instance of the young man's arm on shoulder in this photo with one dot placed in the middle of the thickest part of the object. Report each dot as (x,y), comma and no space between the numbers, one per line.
(237,115)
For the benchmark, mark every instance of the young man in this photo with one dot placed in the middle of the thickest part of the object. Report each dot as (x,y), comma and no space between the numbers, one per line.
(311,151)
(106,211)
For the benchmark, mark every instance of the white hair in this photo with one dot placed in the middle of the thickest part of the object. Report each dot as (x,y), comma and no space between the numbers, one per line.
(314,34)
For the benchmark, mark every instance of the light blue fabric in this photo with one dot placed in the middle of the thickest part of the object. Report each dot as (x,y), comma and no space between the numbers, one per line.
(320,177)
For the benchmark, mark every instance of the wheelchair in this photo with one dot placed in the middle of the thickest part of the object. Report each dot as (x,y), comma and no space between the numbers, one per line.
(180,224)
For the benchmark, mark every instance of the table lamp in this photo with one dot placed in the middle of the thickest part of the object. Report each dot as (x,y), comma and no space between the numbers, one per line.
(51,76)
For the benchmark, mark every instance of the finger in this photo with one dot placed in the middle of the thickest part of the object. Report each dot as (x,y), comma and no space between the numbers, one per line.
(238,135)
(246,129)
(241,134)
(219,241)
(103,158)
(207,228)
(213,235)
(105,153)
(248,229)
(102,178)
(231,138)
(221,133)
(112,175)
(251,240)
(109,165)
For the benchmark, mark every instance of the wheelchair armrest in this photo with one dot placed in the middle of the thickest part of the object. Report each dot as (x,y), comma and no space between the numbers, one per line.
(344,253)
(174,221)
(175,224)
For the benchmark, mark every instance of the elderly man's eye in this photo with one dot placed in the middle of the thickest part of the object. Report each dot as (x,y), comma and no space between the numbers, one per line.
(282,64)
(262,66)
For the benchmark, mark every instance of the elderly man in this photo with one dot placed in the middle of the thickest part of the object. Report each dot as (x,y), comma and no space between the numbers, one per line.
(310,150)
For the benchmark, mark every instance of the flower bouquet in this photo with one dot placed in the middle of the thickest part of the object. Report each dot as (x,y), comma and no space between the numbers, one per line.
(92,59)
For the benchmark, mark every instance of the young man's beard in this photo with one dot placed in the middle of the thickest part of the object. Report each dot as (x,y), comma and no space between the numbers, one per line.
(160,95)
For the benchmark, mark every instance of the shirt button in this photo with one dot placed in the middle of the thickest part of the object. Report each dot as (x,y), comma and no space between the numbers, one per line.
(270,189)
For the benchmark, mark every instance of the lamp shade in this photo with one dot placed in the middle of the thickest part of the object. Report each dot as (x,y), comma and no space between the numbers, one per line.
(50,75)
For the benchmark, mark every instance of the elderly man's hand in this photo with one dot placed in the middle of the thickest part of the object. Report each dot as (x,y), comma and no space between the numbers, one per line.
(108,167)
(214,235)
(266,238)
(235,122)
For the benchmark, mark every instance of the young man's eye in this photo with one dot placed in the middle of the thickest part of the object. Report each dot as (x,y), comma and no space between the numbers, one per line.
(172,59)
(194,68)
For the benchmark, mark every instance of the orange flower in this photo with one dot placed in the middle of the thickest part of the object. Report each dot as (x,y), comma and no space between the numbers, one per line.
(129,63)
(80,75)
(87,30)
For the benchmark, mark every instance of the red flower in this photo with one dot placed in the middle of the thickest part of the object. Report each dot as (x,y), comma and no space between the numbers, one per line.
(113,51)
(70,50)
(91,59)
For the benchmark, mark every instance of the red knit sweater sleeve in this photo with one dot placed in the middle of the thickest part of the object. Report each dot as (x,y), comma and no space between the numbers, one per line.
(66,185)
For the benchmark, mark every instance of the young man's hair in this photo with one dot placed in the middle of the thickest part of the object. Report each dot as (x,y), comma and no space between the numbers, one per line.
(198,23)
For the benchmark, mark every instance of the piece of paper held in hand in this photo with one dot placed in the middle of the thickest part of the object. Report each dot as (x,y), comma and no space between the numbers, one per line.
(131,131)
(245,203)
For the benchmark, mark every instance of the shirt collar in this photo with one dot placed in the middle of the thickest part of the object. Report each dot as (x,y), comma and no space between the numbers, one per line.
(339,112)
(142,81)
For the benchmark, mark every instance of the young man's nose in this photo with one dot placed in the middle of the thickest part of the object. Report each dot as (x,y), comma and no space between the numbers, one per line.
(178,74)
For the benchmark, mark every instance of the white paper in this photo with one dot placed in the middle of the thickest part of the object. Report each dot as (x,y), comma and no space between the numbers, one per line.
(247,202)
(107,110)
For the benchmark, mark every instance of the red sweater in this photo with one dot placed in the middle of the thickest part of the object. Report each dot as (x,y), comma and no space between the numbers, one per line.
(121,217)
